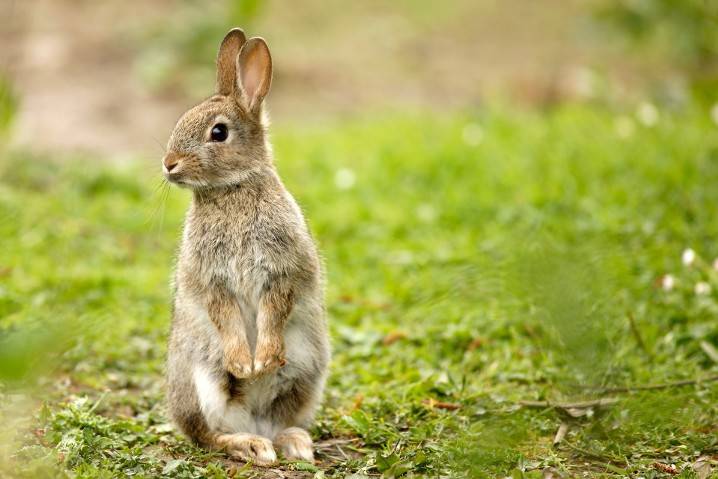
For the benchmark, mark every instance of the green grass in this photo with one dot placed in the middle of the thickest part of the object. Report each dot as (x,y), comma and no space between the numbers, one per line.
(470,274)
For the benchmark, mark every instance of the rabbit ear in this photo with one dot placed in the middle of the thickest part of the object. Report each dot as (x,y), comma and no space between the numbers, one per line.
(227,61)
(254,68)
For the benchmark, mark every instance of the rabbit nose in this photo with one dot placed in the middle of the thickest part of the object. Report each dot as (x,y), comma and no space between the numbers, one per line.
(170,161)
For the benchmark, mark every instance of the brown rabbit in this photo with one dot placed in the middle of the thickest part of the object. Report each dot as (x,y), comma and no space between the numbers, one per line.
(248,350)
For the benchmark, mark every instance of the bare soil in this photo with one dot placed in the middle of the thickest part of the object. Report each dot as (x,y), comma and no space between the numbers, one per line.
(73,62)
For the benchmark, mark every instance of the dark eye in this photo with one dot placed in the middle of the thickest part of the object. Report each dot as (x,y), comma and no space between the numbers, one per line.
(219,132)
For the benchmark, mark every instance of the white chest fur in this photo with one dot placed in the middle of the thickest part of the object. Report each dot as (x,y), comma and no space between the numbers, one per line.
(226,415)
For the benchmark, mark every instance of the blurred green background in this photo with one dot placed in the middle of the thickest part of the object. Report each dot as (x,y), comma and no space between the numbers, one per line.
(514,200)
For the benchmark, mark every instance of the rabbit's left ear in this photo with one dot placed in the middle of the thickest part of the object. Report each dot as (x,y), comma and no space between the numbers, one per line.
(227,61)
(254,73)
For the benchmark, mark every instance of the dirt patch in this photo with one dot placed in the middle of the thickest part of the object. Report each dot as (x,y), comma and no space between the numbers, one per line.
(74,63)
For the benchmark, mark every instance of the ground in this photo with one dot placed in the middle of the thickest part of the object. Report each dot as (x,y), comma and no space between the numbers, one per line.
(486,271)
(119,87)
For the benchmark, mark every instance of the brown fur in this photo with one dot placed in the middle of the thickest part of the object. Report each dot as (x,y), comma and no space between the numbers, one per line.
(227,61)
(248,350)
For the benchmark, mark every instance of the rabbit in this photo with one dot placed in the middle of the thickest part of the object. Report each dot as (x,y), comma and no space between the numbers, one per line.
(248,349)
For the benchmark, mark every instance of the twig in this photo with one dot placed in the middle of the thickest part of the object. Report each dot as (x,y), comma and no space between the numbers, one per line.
(637,334)
(560,434)
(652,387)
(710,350)
(432,403)
(98,402)
(607,460)
(571,405)
(346,458)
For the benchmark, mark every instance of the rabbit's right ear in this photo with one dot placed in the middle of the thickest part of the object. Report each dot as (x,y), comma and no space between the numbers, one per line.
(227,61)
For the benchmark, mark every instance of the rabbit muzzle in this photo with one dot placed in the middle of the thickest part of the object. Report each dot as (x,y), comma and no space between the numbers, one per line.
(172,166)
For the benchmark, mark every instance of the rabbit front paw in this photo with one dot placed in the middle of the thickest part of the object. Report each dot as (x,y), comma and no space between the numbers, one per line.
(238,360)
(269,355)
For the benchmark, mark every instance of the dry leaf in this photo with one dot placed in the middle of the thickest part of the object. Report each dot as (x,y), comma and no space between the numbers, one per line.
(560,434)
(667,468)
(551,473)
(358,400)
(475,344)
(579,412)
(702,467)
(393,337)
(432,403)
(710,350)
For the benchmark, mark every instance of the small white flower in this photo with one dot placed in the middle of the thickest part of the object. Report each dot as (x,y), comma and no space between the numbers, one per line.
(702,288)
(647,114)
(714,113)
(624,127)
(667,282)
(715,264)
(472,134)
(344,178)
(688,257)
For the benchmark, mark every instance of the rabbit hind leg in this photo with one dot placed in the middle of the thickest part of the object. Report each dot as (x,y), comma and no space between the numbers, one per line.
(209,410)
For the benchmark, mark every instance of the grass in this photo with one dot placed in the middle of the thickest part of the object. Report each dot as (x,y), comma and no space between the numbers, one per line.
(474,262)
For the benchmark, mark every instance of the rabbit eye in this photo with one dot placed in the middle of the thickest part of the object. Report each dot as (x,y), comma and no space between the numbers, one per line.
(219,132)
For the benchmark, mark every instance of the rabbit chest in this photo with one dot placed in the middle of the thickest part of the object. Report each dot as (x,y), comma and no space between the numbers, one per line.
(238,250)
